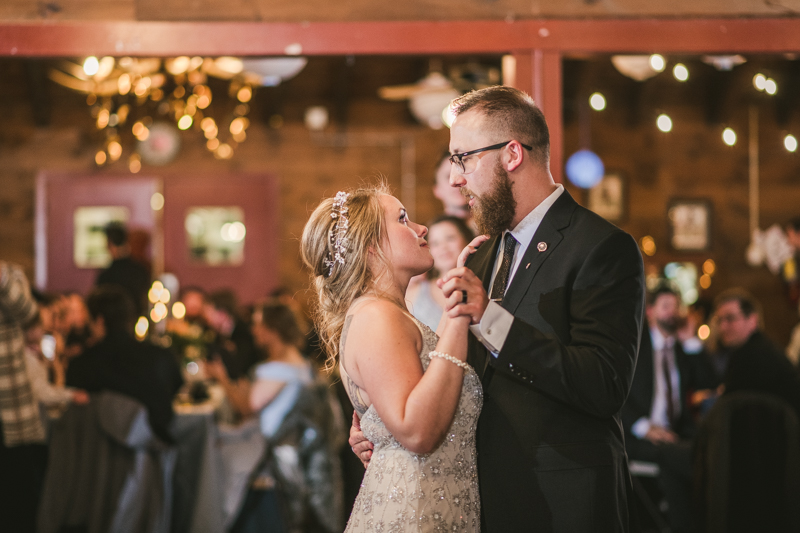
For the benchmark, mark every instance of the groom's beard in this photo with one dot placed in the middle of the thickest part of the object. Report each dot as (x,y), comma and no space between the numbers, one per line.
(494,211)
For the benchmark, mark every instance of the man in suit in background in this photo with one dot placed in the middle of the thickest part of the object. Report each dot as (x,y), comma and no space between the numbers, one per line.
(124,271)
(657,420)
(556,298)
(754,363)
(119,363)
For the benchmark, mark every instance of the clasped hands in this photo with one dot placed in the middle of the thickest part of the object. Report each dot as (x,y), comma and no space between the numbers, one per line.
(463,290)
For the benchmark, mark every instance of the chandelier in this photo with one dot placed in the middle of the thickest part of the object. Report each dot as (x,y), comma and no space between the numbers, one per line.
(141,104)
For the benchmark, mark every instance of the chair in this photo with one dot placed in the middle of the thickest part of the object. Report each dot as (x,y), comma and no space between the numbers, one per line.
(303,457)
(747,465)
(107,471)
(640,470)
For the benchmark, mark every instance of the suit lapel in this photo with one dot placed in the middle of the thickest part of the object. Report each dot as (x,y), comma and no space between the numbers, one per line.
(550,234)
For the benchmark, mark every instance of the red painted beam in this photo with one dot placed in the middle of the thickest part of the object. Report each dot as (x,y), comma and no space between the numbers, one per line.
(41,39)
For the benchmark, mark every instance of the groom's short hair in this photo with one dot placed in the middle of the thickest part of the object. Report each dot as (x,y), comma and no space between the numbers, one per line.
(510,114)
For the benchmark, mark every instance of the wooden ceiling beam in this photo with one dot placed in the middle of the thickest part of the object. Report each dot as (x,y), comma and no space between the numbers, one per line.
(50,39)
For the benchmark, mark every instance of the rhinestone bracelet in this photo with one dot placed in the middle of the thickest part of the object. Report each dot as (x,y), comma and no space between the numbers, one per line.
(448,357)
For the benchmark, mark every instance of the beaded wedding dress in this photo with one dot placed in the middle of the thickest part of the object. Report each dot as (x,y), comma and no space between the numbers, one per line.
(407,492)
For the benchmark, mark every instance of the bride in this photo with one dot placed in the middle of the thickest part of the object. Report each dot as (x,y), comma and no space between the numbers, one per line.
(417,398)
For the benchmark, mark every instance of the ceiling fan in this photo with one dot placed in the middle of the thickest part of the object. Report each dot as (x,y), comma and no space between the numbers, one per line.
(429,98)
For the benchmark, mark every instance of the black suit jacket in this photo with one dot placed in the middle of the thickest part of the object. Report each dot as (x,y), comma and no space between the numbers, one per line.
(693,375)
(551,454)
(143,371)
(758,365)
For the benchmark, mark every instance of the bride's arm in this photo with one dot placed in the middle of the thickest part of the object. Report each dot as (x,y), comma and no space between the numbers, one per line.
(384,345)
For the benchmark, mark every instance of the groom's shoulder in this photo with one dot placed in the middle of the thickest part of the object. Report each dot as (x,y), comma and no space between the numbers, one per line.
(592,226)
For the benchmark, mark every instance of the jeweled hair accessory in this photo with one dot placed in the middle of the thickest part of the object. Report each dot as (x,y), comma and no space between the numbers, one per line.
(338,234)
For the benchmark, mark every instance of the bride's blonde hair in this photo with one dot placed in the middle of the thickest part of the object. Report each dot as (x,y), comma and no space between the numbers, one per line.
(338,286)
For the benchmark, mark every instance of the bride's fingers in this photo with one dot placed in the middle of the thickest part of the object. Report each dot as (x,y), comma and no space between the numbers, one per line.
(470,249)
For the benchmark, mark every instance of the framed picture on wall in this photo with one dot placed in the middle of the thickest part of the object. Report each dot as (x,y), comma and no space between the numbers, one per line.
(609,197)
(689,224)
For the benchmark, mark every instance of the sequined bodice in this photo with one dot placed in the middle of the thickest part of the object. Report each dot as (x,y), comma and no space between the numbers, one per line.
(406,492)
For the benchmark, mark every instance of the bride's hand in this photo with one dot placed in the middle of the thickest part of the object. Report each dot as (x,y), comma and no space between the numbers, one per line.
(470,249)
(464,294)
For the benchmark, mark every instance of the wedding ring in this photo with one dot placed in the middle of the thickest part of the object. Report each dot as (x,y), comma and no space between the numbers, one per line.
(463,297)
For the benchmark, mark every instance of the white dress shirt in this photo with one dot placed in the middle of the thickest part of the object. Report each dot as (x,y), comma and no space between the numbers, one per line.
(496,321)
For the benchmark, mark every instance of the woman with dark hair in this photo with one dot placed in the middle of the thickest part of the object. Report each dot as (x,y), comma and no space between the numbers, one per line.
(447,237)
(279,378)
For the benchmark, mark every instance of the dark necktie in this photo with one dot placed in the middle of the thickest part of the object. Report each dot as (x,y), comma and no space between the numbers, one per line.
(668,380)
(501,280)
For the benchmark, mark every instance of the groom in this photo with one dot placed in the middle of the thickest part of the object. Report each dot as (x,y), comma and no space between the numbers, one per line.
(556,298)
(556,295)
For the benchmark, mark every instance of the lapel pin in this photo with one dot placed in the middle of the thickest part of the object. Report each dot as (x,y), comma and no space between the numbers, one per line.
(542,246)
(526,266)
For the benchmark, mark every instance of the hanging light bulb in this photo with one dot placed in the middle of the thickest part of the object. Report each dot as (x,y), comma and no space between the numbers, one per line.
(680,72)
(658,62)
(770,87)
(729,136)
(597,101)
(664,123)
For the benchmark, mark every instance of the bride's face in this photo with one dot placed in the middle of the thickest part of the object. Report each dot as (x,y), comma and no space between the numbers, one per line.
(404,244)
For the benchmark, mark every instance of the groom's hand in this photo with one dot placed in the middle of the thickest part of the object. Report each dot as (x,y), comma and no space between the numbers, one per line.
(359,443)
(464,293)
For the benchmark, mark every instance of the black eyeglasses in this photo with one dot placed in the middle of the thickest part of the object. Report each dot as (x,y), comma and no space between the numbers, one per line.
(458,159)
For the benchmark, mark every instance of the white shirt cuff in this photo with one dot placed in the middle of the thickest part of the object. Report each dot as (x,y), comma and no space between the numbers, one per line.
(493,327)
(641,427)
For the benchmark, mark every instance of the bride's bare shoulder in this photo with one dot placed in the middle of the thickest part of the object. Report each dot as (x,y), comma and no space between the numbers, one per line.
(378,317)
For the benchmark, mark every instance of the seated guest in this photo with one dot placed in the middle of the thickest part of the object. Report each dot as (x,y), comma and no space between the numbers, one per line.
(657,420)
(279,378)
(754,363)
(274,392)
(77,332)
(233,339)
(118,362)
(43,356)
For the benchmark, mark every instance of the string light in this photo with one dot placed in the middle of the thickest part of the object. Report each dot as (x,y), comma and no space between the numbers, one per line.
(664,123)
(648,245)
(790,142)
(178,310)
(141,327)
(157,201)
(597,101)
(729,136)
(657,62)
(680,72)
(759,81)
